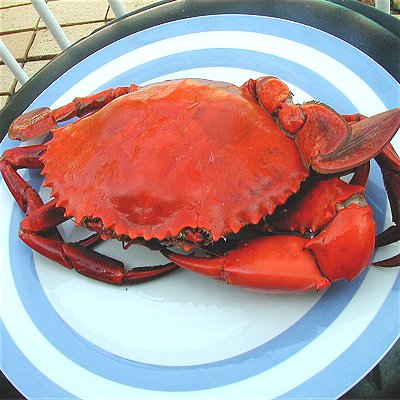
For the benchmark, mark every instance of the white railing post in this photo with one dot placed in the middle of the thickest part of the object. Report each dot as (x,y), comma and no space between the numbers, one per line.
(118,7)
(383,5)
(12,64)
(51,22)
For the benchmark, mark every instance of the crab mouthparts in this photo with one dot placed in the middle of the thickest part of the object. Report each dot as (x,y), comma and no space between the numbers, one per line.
(188,238)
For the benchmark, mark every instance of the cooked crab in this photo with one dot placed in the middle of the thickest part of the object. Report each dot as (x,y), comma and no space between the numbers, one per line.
(193,163)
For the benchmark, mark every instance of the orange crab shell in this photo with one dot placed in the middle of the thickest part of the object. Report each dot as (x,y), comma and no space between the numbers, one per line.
(184,153)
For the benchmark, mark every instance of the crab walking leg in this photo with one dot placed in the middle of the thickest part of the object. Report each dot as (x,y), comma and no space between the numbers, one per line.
(26,197)
(91,240)
(389,162)
(79,256)
(41,121)
(14,159)
(90,263)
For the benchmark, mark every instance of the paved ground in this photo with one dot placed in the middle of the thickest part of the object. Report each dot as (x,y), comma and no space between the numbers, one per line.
(28,39)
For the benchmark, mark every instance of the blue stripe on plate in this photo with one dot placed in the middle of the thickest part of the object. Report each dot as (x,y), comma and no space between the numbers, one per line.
(19,370)
(256,360)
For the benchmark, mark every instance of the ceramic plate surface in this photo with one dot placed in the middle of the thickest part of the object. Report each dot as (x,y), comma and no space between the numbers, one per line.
(184,336)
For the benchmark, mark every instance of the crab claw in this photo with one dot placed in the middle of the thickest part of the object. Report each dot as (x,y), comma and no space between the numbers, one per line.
(287,263)
(327,142)
(271,263)
(343,146)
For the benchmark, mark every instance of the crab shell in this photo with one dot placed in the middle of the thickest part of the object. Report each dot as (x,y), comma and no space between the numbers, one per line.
(174,155)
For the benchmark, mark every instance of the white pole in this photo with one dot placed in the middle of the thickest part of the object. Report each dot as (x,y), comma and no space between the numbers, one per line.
(51,22)
(118,7)
(12,64)
(383,5)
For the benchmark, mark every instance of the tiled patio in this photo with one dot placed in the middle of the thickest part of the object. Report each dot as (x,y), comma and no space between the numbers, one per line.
(30,42)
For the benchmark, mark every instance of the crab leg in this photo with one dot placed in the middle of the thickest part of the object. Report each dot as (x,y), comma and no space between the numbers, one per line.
(89,262)
(90,241)
(26,197)
(41,121)
(79,256)
(389,162)
(38,229)
(10,162)
(287,262)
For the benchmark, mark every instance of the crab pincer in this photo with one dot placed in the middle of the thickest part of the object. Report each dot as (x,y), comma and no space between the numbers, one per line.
(339,244)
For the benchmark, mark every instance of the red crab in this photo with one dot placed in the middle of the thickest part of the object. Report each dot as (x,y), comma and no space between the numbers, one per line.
(208,165)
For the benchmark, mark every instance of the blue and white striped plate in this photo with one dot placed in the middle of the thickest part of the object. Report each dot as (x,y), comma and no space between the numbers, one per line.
(184,336)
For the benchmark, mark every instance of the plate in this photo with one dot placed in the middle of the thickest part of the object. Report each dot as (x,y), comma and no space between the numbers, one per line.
(184,336)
